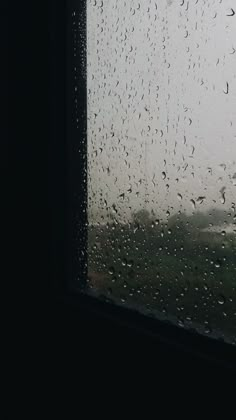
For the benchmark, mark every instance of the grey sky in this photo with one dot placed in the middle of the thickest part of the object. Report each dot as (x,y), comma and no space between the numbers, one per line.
(161,105)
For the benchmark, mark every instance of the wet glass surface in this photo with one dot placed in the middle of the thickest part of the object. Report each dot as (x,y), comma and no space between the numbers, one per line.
(161,89)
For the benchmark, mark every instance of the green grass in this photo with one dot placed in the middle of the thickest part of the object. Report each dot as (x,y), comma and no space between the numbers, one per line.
(172,272)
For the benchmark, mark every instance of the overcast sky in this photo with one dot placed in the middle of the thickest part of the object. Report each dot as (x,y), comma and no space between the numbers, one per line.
(161,105)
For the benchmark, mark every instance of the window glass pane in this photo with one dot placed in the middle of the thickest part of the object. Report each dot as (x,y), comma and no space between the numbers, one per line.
(162,159)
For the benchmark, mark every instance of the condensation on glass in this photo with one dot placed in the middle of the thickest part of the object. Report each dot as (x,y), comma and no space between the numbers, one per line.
(161,89)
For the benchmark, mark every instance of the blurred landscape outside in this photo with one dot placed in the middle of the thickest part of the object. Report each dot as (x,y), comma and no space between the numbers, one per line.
(161,82)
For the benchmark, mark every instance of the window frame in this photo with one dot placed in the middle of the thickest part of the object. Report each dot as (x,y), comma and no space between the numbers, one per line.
(68,196)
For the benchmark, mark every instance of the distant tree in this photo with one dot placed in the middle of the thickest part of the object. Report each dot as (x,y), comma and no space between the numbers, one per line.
(202,220)
(142,217)
(179,225)
(198,220)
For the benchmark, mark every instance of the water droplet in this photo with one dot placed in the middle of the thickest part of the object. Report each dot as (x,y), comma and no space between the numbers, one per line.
(208,330)
(201,199)
(226,89)
(221,300)
(222,200)
(217,264)
(114,209)
(231,12)
(124,262)
(111,270)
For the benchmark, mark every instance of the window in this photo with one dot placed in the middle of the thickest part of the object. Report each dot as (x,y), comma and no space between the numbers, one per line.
(161,166)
